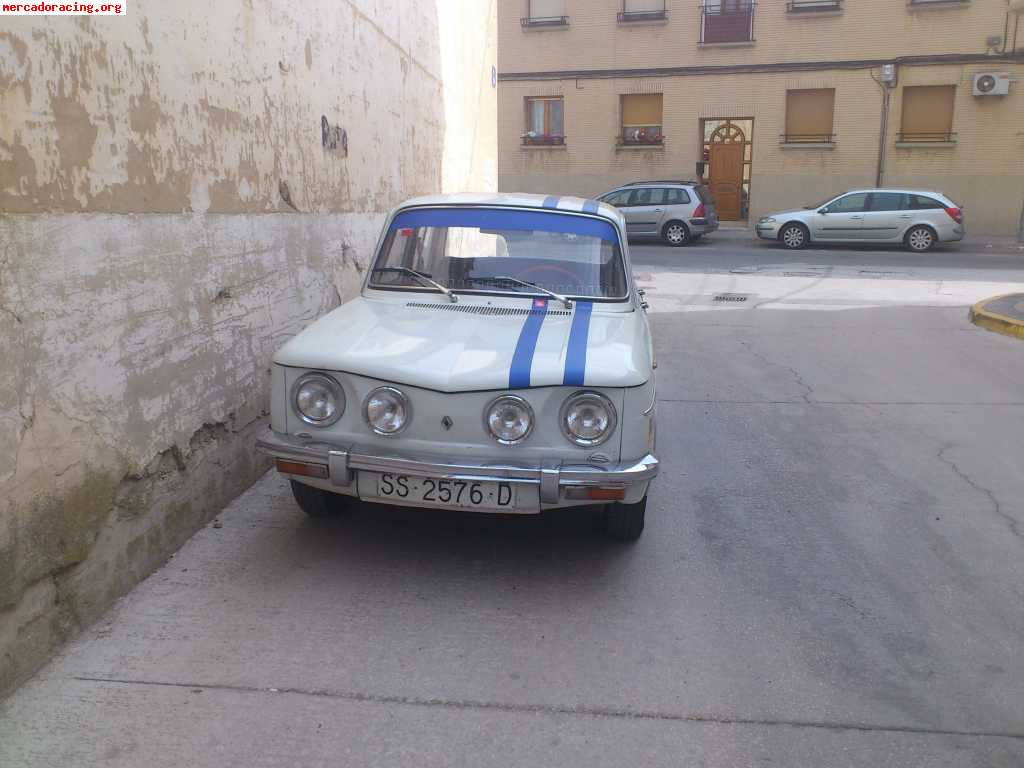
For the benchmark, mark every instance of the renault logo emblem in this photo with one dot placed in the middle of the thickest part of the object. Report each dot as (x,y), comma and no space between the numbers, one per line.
(447,422)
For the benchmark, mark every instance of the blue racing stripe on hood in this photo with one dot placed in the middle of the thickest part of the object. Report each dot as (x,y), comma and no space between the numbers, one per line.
(576,354)
(522,358)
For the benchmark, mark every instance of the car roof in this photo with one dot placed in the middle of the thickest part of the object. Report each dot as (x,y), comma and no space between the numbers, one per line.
(524,200)
(655,182)
(898,190)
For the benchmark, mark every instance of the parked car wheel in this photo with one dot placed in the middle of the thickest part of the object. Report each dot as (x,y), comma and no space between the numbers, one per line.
(625,522)
(676,233)
(317,503)
(794,236)
(920,238)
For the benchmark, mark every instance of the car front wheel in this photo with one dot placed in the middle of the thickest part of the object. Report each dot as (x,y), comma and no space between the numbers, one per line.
(676,233)
(625,522)
(318,503)
(793,236)
(920,239)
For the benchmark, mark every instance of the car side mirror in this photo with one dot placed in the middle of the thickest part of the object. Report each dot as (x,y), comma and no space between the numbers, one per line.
(823,211)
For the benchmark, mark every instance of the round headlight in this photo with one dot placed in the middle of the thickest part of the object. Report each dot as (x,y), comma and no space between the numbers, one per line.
(387,411)
(509,419)
(588,418)
(319,400)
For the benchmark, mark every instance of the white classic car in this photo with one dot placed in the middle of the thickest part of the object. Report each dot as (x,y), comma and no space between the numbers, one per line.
(498,359)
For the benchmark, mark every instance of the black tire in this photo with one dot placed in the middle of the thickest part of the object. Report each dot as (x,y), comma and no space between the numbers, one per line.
(794,236)
(676,234)
(318,503)
(625,522)
(920,238)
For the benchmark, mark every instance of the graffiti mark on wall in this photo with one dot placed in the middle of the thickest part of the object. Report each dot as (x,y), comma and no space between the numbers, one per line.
(333,137)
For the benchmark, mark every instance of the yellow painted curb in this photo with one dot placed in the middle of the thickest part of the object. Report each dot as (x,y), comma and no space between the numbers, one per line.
(993,321)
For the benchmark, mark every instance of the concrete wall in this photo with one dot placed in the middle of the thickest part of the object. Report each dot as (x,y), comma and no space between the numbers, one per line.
(984,169)
(171,214)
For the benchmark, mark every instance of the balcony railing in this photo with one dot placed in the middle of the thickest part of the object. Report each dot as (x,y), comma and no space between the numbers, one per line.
(925,138)
(544,21)
(551,140)
(627,16)
(813,6)
(807,138)
(726,21)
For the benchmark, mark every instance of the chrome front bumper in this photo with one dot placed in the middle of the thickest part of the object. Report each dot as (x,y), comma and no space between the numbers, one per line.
(551,475)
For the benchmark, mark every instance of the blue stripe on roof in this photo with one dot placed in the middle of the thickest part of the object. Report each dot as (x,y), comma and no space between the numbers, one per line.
(522,358)
(590,206)
(576,354)
(551,201)
(498,219)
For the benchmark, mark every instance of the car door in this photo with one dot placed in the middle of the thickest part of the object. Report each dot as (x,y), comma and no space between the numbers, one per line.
(642,213)
(841,219)
(882,218)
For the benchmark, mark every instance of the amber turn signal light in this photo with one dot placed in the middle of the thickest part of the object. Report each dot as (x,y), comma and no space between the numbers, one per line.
(299,468)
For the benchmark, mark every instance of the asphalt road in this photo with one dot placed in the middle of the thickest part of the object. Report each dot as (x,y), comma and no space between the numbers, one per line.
(832,573)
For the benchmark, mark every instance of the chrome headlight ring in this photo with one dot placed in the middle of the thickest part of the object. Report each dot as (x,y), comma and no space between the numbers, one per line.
(581,412)
(318,399)
(510,403)
(387,411)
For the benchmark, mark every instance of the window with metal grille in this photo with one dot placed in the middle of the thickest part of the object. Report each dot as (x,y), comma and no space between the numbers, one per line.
(927,113)
(545,120)
(726,21)
(545,13)
(641,119)
(642,10)
(809,113)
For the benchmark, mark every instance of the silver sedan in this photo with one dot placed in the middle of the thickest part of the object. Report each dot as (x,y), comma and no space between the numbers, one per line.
(916,218)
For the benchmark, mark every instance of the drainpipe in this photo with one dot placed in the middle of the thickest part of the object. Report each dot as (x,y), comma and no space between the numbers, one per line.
(882,135)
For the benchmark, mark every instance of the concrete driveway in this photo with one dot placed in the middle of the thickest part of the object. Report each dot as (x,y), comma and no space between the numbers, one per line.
(832,574)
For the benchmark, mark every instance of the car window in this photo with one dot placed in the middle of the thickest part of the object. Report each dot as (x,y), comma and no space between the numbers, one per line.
(923,203)
(640,196)
(886,201)
(854,203)
(477,249)
(676,197)
(618,199)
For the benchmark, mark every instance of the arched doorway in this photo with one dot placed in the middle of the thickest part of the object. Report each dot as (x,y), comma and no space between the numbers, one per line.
(728,149)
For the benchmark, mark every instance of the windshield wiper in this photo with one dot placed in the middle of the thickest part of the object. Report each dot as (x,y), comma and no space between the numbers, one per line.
(506,279)
(424,279)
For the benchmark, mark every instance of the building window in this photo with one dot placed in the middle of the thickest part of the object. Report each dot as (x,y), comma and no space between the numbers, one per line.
(927,114)
(641,119)
(814,6)
(726,21)
(545,121)
(545,13)
(642,10)
(809,116)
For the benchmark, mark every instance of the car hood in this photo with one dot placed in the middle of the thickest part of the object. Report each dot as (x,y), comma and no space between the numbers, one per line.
(503,343)
(791,212)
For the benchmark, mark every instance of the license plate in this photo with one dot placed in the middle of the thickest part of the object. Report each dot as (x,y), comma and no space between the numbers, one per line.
(434,492)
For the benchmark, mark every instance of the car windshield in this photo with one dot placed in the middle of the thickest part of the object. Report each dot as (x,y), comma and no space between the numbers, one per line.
(507,250)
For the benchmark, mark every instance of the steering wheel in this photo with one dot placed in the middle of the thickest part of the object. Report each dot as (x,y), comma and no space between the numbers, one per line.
(574,281)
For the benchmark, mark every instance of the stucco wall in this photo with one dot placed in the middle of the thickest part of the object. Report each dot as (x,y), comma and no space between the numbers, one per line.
(169,215)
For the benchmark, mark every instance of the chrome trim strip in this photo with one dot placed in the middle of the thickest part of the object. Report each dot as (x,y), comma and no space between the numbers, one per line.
(551,475)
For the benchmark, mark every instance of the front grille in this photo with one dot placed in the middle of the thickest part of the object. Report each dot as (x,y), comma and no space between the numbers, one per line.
(480,309)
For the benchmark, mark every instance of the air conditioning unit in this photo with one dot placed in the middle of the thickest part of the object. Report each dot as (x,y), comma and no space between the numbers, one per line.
(991,84)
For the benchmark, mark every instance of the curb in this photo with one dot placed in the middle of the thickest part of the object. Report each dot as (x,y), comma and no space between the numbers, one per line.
(1007,325)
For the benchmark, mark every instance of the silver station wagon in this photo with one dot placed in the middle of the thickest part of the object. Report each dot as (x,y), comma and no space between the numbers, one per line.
(498,359)
(916,218)
(677,212)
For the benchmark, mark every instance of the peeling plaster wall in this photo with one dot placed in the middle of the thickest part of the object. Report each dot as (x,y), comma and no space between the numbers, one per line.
(169,216)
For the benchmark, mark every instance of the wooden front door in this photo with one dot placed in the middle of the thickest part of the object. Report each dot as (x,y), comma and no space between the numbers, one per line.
(726,180)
